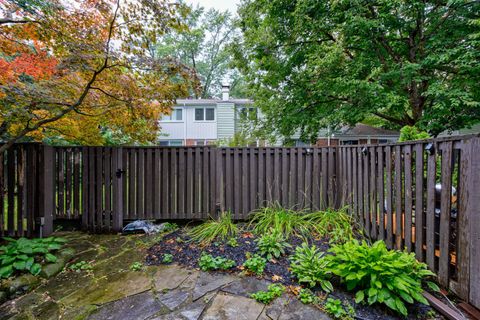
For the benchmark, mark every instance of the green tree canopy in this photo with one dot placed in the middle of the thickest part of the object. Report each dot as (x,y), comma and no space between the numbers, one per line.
(316,63)
(202,46)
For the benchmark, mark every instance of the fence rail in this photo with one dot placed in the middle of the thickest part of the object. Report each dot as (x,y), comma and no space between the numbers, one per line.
(419,196)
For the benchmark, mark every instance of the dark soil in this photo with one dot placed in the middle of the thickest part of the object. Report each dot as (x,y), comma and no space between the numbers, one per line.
(187,253)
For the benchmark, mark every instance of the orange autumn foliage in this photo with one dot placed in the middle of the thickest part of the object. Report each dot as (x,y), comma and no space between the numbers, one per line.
(72,70)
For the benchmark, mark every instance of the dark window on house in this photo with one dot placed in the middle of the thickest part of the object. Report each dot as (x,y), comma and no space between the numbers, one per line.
(199,116)
(209,114)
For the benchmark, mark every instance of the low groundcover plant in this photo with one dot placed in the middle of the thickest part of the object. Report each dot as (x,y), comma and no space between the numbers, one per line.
(27,254)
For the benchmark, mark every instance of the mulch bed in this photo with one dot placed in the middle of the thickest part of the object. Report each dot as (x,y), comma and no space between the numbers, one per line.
(187,253)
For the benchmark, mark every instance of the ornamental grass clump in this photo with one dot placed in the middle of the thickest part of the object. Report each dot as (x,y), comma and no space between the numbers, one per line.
(336,225)
(379,275)
(288,222)
(222,228)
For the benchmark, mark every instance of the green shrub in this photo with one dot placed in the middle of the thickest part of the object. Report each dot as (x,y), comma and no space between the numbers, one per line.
(221,228)
(208,262)
(272,244)
(337,225)
(265,297)
(167,258)
(24,255)
(255,264)
(335,308)
(309,266)
(136,266)
(81,266)
(287,222)
(378,274)
(306,296)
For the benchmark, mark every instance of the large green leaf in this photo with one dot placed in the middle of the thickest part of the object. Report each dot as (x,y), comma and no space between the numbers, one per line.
(35,269)
(50,257)
(6,271)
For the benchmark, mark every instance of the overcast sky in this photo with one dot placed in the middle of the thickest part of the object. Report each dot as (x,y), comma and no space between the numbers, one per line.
(223,5)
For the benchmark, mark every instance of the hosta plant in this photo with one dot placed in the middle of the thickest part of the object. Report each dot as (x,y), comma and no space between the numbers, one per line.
(272,244)
(27,255)
(208,262)
(379,275)
(309,266)
(306,296)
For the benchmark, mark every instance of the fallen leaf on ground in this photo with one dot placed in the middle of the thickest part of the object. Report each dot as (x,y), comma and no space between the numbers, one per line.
(276,278)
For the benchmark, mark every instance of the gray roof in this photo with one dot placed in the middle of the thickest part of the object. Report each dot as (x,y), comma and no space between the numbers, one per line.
(364,130)
(195,102)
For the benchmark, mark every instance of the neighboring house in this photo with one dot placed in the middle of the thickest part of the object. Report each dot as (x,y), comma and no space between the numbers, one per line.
(202,121)
(199,122)
(359,134)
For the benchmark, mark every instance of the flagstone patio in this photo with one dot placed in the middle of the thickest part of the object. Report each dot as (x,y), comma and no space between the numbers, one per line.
(111,290)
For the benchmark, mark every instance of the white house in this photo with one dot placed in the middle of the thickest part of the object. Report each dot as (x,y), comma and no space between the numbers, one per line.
(202,121)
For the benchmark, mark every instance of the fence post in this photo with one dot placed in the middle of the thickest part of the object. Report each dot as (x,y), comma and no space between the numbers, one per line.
(472,220)
(118,174)
(46,191)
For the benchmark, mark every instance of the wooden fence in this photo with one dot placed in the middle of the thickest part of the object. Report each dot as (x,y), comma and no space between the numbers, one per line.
(423,197)
(400,193)
(132,183)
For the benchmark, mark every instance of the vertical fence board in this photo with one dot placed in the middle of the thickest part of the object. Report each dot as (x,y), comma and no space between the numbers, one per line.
(408,197)
(398,199)
(430,213)
(389,194)
(381,193)
(419,210)
(445,209)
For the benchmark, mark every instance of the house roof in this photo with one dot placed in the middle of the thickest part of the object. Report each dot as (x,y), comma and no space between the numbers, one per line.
(196,102)
(363,130)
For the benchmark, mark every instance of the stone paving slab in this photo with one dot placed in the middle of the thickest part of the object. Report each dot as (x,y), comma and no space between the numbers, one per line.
(169,292)
(227,306)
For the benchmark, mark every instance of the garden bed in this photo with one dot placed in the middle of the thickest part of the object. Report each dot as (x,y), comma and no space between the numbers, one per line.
(187,253)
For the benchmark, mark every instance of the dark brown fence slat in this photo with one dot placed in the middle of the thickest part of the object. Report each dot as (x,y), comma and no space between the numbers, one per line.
(419,207)
(68,182)
(445,209)
(361,195)
(149,184)
(388,195)
(366,190)
(76,182)
(11,189)
(373,192)
(398,230)
(173,183)
(430,213)
(407,153)
(381,193)
(157,180)
(107,164)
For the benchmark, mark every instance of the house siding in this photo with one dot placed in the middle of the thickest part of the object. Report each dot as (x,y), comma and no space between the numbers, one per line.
(225,120)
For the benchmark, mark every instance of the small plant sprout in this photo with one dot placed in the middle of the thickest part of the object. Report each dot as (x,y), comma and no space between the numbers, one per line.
(81,266)
(255,264)
(208,262)
(265,297)
(167,258)
(336,309)
(306,296)
(232,242)
(136,266)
